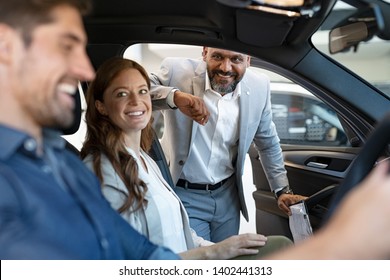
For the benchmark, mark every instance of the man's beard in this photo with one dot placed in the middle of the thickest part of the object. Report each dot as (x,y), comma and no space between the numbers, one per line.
(223,88)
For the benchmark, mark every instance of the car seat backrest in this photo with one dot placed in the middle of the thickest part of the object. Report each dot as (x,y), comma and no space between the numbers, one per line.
(74,127)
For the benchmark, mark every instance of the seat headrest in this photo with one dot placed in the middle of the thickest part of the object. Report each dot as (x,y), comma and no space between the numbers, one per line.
(74,127)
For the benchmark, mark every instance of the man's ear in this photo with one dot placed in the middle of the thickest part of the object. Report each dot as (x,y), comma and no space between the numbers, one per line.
(204,53)
(100,107)
(248,62)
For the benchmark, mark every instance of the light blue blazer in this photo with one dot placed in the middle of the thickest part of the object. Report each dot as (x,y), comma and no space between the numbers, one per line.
(255,124)
(115,192)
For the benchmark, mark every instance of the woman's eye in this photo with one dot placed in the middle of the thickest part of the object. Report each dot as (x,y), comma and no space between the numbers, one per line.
(143,91)
(121,94)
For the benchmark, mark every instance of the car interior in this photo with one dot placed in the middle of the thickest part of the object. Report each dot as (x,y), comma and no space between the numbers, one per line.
(277,34)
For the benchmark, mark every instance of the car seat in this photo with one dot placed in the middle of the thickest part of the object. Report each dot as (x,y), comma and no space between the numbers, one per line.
(74,127)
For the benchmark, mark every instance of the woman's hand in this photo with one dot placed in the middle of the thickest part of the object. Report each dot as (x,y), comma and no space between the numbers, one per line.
(237,245)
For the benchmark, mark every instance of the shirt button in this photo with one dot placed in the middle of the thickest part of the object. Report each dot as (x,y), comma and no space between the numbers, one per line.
(30,145)
(181,162)
(46,169)
(104,243)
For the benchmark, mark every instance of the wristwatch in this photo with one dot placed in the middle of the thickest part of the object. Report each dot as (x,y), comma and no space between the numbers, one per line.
(285,190)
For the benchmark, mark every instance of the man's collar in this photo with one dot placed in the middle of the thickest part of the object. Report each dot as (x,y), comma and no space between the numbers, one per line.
(12,139)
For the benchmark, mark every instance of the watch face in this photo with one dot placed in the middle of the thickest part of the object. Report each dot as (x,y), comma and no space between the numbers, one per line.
(285,190)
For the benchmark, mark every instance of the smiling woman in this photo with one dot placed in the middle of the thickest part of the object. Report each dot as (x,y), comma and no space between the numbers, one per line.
(123,91)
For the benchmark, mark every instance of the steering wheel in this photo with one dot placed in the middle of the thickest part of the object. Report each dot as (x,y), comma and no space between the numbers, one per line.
(364,162)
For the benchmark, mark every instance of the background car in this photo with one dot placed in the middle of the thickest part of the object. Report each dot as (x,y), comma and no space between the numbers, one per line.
(323,132)
(302,118)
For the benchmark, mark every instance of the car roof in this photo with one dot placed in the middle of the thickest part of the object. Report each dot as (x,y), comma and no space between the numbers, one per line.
(205,22)
(278,43)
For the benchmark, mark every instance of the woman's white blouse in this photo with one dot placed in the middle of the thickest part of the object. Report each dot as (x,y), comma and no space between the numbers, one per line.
(163,210)
(164,221)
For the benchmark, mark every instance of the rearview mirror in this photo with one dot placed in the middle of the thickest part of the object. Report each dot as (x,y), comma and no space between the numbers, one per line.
(344,37)
(360,27)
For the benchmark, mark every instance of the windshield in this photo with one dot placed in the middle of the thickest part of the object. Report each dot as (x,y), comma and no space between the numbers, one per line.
(370,60)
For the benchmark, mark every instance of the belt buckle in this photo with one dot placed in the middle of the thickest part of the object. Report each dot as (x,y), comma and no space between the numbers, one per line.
(207,187)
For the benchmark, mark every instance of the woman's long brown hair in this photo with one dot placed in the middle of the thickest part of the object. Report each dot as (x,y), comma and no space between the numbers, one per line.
(104,137)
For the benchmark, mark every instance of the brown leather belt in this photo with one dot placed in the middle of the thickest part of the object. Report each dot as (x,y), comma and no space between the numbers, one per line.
(206,187)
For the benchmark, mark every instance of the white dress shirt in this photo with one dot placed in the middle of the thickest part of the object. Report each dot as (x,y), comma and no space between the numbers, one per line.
(165,212)
(215,145)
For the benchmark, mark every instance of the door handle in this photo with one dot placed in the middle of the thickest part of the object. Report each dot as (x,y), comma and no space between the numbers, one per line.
(317,164)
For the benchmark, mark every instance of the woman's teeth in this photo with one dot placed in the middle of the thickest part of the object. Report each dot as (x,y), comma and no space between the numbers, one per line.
(139,113)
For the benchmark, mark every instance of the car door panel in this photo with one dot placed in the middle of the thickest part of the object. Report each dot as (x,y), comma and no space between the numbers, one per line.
(310,170)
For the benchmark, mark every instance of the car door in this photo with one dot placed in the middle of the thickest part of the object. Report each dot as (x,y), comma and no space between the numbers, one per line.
(316,150)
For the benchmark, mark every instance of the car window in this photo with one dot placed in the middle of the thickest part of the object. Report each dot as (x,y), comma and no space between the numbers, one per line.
(299,117)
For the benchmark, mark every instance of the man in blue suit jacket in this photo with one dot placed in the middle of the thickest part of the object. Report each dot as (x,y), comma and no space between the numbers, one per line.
(206,156)
(51,206)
